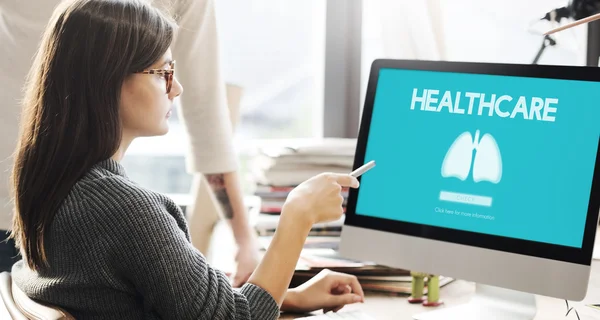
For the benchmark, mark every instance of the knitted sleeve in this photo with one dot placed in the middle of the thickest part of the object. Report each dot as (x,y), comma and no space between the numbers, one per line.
(150,250)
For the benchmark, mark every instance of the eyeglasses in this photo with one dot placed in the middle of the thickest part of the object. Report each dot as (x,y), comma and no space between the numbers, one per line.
(167,73)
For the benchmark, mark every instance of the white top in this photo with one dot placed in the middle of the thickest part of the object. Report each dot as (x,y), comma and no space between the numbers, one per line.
(203,106)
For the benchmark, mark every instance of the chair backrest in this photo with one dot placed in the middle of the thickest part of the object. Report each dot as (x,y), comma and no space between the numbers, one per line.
(9,309)
(21,307)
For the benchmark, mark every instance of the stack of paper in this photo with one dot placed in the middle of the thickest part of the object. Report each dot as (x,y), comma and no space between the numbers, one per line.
(266,224)
(281,165)
(291,162)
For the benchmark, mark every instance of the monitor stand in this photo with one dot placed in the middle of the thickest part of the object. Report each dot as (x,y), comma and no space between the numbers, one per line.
(488,303)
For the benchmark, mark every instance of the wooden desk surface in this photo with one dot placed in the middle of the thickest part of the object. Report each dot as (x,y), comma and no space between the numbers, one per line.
(384,307)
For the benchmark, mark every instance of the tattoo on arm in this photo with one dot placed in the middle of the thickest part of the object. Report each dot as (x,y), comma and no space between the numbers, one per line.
(217,182)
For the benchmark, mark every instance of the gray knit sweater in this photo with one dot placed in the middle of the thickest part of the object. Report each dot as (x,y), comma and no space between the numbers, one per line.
(119,251)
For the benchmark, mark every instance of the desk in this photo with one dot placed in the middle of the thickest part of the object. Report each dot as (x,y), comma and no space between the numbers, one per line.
(384,307)
(387,307)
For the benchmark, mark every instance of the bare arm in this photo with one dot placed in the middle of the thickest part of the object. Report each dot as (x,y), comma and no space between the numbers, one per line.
(318,199)
(276,269)
(227,189)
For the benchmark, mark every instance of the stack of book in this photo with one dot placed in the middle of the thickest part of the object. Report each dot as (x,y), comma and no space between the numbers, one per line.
(265,225)
(322,253)
(287,163)
(372,278)
(281,165)
(273,197)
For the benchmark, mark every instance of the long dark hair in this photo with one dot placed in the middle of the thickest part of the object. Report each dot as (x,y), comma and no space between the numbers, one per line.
(71,107)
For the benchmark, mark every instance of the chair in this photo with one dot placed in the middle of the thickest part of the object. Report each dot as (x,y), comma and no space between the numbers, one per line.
(18,306)
(8,309)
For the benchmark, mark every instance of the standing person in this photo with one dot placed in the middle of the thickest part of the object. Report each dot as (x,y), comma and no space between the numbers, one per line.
(211,152)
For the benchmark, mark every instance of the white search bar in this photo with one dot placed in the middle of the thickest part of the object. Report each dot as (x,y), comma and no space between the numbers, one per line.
(466,198)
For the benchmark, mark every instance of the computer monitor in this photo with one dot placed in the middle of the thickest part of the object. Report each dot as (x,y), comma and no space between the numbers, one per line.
(484,172)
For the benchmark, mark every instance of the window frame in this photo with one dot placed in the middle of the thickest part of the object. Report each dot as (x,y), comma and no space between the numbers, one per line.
(343,48)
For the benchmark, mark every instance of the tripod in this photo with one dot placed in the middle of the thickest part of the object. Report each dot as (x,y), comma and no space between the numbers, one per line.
(548,41)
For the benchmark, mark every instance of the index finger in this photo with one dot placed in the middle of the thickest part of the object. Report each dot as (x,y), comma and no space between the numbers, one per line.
(345,180)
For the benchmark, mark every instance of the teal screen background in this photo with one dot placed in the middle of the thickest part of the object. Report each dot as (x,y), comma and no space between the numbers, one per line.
(544,192)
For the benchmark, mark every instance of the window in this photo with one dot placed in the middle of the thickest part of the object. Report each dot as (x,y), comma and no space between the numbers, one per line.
(275,51)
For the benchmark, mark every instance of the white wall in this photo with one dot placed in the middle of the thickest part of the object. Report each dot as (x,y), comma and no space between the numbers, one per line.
(499,31)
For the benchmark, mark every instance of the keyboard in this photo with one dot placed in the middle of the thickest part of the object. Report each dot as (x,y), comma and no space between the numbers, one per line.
(349,315)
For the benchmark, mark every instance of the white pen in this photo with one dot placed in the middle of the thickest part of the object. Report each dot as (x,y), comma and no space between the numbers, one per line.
(364,168)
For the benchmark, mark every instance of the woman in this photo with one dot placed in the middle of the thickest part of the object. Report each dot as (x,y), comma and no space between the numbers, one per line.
(95,243)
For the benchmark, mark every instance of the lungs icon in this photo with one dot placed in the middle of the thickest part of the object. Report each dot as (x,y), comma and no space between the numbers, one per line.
(487,162)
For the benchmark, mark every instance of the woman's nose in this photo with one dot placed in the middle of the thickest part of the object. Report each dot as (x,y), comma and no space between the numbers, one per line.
(176,89)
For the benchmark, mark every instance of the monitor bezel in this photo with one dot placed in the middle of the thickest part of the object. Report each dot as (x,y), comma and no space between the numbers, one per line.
(581,255)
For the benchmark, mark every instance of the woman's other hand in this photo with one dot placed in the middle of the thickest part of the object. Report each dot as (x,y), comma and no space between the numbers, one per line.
(328,290)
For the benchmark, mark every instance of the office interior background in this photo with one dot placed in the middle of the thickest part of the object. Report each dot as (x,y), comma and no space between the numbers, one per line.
(303,65)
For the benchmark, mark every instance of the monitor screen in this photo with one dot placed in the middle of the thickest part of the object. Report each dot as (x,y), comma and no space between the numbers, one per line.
(500,155)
